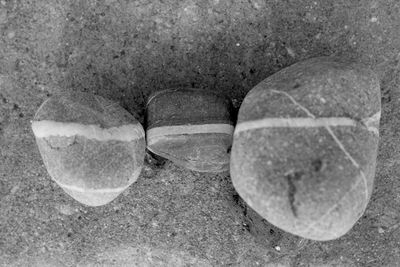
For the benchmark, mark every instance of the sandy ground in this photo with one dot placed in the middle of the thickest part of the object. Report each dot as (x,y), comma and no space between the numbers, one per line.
(125,50)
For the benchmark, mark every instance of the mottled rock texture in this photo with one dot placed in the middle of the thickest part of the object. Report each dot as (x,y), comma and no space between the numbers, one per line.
(193,128)
(305,146)
(92,147)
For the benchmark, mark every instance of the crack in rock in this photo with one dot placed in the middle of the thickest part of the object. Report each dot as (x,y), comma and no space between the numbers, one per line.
(291,178)
(60,145)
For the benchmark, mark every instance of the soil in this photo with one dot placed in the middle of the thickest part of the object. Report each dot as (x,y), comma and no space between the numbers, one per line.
(126,50)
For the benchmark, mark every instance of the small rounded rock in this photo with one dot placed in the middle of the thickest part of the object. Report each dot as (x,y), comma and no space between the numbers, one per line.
(91,147)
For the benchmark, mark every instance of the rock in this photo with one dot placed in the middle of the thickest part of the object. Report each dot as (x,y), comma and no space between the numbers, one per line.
(91,147)
(305,147)
(193,128)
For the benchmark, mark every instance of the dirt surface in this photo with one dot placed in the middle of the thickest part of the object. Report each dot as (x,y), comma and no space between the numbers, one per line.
(125,50)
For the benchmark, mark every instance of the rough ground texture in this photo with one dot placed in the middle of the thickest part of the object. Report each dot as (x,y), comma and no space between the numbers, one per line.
(127,50)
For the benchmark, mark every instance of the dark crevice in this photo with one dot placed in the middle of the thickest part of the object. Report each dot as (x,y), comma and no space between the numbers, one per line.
(296,85)
(50,145)
(154,160)
(317,165)
(291,179)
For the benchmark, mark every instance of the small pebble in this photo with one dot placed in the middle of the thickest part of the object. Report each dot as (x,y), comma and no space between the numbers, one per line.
(66,209)
(32,197)
(374,19)
(14,189)
(291,52)
(3,16)
(11,35)
(191,127)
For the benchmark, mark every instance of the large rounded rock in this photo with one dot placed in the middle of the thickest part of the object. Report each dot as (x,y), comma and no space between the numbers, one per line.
(305,147)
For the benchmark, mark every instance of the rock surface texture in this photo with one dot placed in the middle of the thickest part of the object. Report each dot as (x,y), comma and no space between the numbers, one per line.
(192,128)
(305,146)
(91,147)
